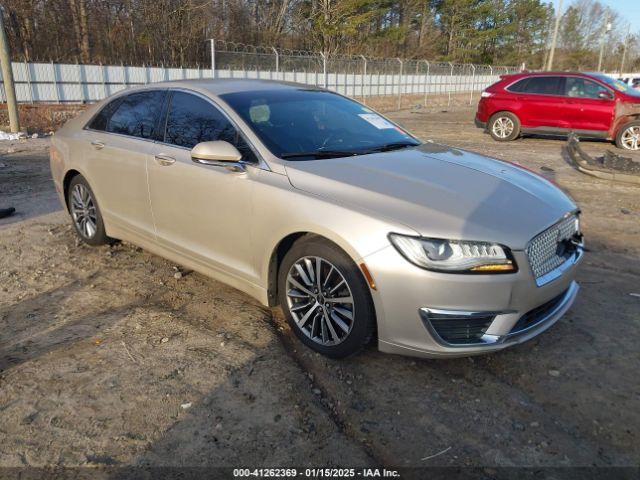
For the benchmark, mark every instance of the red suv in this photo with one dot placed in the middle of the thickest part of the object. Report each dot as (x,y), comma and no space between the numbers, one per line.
(590,105)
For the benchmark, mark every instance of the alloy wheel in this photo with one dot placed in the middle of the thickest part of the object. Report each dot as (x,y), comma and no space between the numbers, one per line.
(630,138)
(320,300)
(503,127)
(83,211)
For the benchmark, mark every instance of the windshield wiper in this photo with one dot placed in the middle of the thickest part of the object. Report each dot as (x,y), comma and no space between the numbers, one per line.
(321,154)
(387,147)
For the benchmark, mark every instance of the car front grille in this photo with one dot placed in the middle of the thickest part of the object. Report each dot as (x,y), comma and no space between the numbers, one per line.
(546,251)
(535,316)
(460,328)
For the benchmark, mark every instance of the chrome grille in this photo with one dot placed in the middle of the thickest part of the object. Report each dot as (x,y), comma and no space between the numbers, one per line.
(542,251)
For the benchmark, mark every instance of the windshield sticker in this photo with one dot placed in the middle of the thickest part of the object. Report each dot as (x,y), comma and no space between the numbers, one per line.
(376,120)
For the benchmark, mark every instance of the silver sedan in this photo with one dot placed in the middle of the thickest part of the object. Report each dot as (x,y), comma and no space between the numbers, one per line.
(308,200)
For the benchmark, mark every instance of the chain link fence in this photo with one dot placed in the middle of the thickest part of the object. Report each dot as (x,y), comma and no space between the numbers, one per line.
(388,83)
(383,83)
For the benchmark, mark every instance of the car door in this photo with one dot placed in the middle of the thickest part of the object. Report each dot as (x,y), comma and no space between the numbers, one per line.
(121,139)
(542,103)
(201,211)
(587,111)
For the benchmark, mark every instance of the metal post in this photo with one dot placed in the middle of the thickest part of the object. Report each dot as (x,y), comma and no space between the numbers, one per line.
(7,78)
(400,84)
(104,83)
(124,75)
(27,74)
(324,69)
(55,82)
(473,83)
(212,49)
(426,84)
(277,59)
(79,69)
(364,75)
(449,84)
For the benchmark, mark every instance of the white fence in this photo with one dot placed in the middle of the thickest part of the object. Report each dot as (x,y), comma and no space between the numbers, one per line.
(354,76)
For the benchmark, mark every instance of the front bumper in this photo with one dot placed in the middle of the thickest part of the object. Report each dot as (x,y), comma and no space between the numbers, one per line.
(518,308)
(480,124)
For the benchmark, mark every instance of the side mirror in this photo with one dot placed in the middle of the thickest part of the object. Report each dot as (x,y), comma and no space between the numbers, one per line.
(218,154)
(605,95)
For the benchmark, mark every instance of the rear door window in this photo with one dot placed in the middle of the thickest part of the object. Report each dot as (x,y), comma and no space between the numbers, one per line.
(540,86)
(137,114)
(192,120)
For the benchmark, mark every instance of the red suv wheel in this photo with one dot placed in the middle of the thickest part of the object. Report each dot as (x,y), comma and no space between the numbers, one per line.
(504,126)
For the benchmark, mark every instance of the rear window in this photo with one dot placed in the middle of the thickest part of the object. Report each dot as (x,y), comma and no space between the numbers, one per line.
(539,86)
(99,122)
(137,115)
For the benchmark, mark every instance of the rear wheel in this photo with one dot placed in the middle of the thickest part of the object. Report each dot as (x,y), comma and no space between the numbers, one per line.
(325,298)
(504,126)
(85,212)
(628,136)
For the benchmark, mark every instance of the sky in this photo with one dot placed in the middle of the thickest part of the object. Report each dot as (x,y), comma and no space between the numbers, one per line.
(629,10)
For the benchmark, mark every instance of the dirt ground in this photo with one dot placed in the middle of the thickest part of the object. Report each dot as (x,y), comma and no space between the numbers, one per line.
(107,359)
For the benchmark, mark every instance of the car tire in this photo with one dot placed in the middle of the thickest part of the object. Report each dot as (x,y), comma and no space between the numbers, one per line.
(85,213)
(628,136)
(333,328)
(504,126)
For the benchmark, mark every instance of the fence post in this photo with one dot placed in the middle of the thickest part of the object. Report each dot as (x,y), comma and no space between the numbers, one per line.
(473,83)
(80,85)
(124,75)
(55,82)
(426,83)
(364,75)
(400,84)
(324,69)
(449,85)
(27,73)
(104,83)
(275,51)
(213,57)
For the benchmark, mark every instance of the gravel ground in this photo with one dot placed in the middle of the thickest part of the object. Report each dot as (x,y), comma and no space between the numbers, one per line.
(107,359)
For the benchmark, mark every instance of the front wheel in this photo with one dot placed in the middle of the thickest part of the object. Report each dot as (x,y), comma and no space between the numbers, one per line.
(504,126)
(325,298)
(628,136)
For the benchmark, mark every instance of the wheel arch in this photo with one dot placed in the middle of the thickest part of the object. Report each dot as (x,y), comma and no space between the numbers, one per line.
(284,245)
(66,181)
(503,110)
(622,121)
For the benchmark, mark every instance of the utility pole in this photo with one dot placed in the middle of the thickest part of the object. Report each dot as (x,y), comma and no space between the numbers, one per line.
(624,49)
(606,27)
(7,76)
(554,39)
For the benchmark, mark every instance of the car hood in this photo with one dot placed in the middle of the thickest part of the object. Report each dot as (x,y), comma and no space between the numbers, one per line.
(439,191)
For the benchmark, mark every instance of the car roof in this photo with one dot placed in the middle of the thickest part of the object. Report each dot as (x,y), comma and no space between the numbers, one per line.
(554,74)
(221,86)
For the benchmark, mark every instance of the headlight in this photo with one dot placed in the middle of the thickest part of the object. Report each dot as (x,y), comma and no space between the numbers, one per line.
(454,256)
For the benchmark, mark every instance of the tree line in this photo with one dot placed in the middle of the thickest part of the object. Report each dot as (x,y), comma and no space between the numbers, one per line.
(174,32)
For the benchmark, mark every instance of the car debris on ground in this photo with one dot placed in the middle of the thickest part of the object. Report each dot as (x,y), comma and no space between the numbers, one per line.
(609,166)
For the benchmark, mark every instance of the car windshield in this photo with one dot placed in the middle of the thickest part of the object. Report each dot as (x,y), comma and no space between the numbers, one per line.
(617,84)
(306,124)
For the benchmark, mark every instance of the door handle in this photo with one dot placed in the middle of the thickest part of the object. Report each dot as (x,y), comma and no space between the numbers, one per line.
(97,144)
(164,160)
